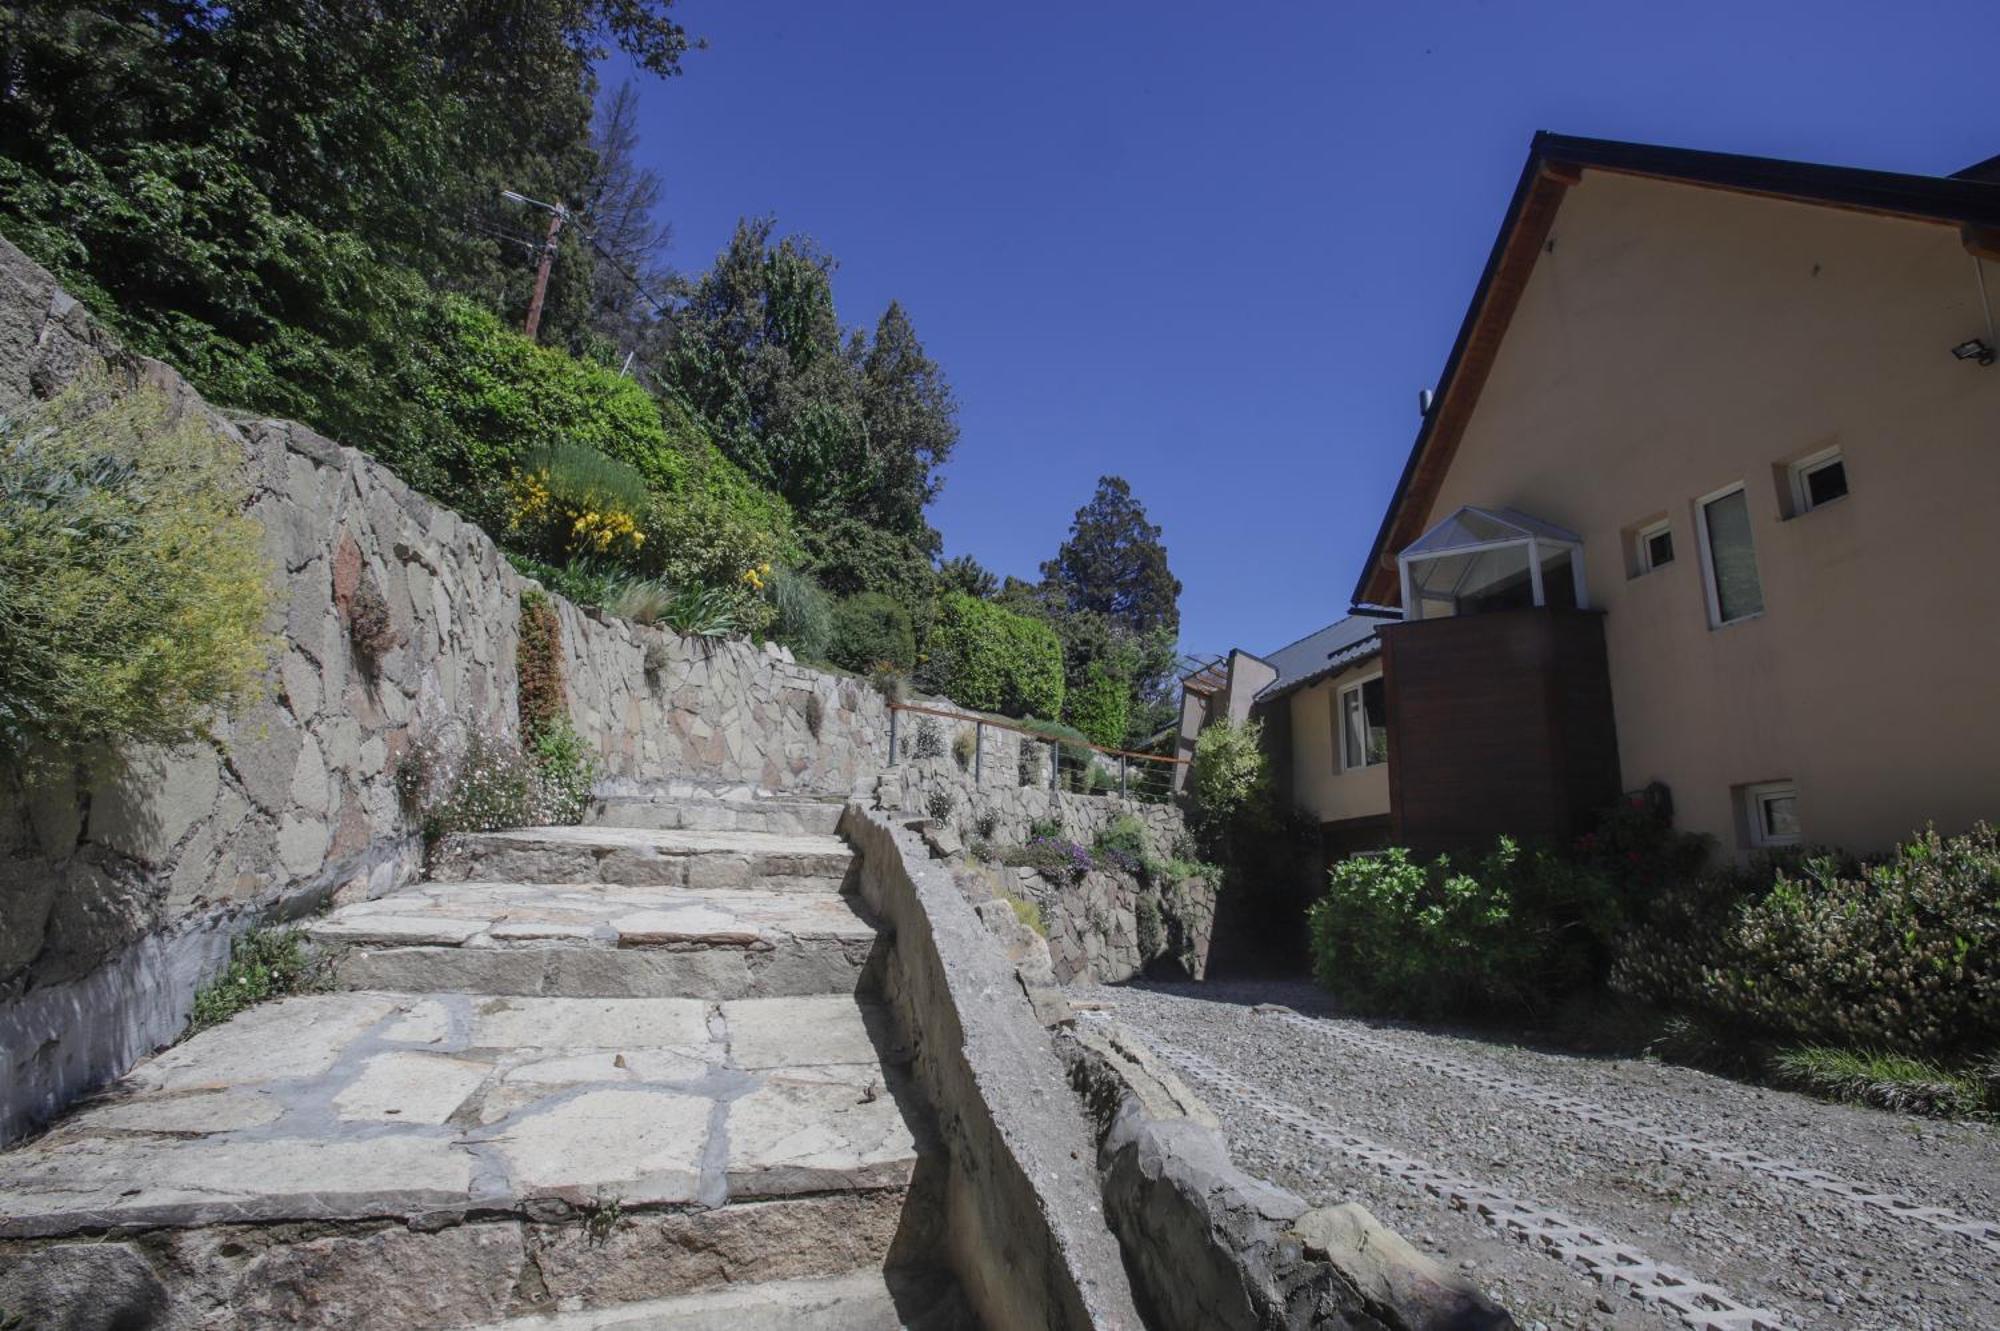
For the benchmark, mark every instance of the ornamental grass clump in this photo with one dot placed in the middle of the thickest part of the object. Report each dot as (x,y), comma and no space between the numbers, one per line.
(133,587)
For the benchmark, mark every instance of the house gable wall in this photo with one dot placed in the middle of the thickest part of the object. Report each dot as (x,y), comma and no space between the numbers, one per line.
(1676,340)
(1317,784)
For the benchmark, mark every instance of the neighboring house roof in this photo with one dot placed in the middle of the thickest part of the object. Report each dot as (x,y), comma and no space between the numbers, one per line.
(1969,201)
(1317,655)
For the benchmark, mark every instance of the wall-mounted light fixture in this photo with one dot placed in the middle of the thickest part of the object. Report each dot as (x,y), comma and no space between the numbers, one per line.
(1976,349)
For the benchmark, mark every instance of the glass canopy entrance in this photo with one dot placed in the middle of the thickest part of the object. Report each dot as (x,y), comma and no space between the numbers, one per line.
(1481,559)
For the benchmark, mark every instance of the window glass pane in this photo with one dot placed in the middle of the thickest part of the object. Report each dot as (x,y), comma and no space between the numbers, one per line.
(1825,483)
(1659,549)
(1351,726)
(1780,814)
(1375,704)
(1732,560)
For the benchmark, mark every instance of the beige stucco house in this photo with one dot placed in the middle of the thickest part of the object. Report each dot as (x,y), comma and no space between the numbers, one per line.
(1708,497)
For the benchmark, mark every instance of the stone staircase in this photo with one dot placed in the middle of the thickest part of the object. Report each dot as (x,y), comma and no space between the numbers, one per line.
(632,1074)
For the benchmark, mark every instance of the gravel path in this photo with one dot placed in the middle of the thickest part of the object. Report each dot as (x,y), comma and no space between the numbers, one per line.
(1794,1212)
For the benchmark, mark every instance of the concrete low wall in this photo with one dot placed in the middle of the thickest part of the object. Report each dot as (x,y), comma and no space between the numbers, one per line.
(1024,1233)
(118,896)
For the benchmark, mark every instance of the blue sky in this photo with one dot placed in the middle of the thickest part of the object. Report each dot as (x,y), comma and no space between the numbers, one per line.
(1218,250)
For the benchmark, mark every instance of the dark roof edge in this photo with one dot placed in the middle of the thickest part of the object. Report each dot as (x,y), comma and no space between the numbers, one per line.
(1962,198)
(1343,660)
(1965,199)
(1451,364)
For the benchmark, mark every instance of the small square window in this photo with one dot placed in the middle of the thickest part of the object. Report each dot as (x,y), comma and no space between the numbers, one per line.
(1772,812)
(1655,545)
(1818,480)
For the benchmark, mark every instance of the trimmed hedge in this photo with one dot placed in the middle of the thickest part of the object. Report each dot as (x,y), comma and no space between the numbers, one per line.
(1100,707)
(871,630)
(985,656)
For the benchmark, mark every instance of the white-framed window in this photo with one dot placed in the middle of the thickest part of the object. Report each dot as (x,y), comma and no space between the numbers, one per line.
(1363,709)
(1818,480)
(1653,545)
(1728,556)
(1771,812)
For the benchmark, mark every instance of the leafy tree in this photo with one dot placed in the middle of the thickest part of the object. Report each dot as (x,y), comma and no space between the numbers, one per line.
(851,432)
(265,193)
(1114,564)
(621,211)
(966,574)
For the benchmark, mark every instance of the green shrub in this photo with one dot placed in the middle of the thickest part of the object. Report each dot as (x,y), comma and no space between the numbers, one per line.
(986,656)
(1517,931)
(1099,706)
(263,964)
(963,748)
(1231,773)
(1127,835)
(582,581)
(475,781)
(939,805)
(802,614)
(132,586)
(1149,928)
(1901,954)
(568,770)
(870,631)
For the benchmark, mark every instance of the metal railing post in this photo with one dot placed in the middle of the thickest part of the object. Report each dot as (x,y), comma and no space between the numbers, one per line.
(1123,793)
(894,712)
(978,750)
(1055,766)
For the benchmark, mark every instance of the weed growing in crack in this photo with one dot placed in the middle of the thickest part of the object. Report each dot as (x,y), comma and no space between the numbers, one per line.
(263,964)
(600,1218)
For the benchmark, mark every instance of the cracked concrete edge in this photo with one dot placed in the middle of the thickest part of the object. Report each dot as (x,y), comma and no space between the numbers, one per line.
(1211,1246)
(1025,1229)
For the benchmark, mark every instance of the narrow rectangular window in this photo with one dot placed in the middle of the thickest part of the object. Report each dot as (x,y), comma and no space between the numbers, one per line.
(1818,480)
(1656,546)
(1729,557)
(1364,725)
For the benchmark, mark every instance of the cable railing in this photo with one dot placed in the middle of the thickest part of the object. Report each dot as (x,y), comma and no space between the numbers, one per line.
(1073,764)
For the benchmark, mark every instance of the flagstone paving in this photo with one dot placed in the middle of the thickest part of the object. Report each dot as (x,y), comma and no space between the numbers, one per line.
(665,1041)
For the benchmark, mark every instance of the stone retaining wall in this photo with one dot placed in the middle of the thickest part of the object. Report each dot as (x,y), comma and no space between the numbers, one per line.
(1211,1248)
(1091,925)
(119,897)
(1023,1232)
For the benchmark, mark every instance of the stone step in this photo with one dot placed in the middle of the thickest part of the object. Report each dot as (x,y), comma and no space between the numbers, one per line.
(910,1300)
(596,940)
(818,817)
(415,1155)
(643,857)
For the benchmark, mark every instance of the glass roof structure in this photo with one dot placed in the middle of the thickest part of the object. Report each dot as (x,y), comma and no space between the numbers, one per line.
(1480,559)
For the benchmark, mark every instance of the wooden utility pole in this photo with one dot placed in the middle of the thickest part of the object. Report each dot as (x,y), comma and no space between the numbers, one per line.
(556,216)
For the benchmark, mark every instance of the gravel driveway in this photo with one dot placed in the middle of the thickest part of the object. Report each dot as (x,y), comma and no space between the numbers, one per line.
(1783,1211)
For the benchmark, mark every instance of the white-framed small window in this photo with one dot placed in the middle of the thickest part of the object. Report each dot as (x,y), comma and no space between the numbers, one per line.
(1728,556)
(1771,812)
(1818,480)
(1653,545)
(1364,724)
